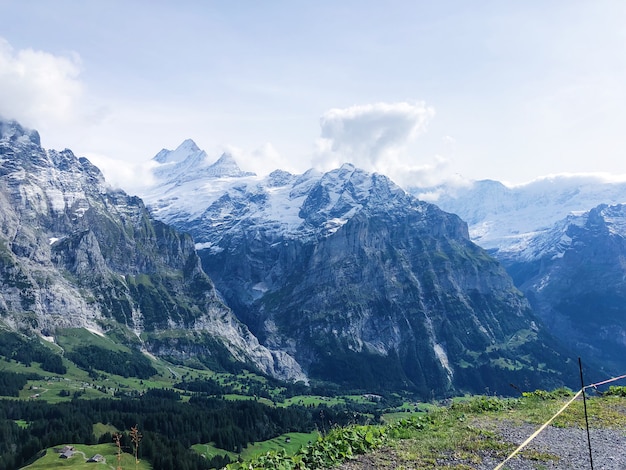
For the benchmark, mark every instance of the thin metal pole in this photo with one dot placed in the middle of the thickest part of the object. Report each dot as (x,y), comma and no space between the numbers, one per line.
(582,385)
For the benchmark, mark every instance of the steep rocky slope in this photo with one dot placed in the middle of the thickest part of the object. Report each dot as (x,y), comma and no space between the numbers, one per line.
(573,275)
(75,253)
(561,239)
(363,284)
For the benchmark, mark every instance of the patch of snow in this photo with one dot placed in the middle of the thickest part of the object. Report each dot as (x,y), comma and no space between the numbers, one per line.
(80,212)
(210,203)
(95,332)
(150,355)
(543,282)
(260,287)
(335,224)
(443,358)
(56,199)
(213,249)
(503,217)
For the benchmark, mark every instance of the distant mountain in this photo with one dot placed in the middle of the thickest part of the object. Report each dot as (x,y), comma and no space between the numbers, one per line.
(364,285)
(75,253)
(189,162)
(502,217)
(574,276)
(562,241)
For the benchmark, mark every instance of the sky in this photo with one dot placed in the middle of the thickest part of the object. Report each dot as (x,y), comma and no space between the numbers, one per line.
(422,91)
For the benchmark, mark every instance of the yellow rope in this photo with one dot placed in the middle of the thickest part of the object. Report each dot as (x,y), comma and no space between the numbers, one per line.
(606,381)
(536,433)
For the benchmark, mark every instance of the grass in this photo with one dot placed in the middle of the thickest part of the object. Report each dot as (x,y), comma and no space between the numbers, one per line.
(314,400)
(209,451)
(456,433)
(449,434)
(459,436)
(289,442)
(52,387)
(461,433)
(418,435)
(78,461)
(21,423)
(70,338)
(99,429)
(604,412)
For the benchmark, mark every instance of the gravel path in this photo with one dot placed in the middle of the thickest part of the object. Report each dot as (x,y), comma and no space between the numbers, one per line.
(567,445)
(608,448)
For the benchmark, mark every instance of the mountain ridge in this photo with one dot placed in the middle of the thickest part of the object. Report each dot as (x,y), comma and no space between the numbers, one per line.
(76,253)
(501,216)
(562,241)
(573,276)
(358,280)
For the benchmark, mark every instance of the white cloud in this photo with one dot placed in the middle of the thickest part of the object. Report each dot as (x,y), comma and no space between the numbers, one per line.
(377,137)
(129,176)
(261,160)
(368,134)
(37,87)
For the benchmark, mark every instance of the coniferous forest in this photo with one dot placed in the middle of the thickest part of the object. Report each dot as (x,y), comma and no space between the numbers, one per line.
(169,425)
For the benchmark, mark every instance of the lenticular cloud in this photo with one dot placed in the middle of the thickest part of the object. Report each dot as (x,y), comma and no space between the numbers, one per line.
(366,134)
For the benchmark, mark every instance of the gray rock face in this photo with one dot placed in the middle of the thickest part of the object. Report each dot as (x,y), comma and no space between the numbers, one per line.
(363,284)
(574,276)
(561,239)
(75,253)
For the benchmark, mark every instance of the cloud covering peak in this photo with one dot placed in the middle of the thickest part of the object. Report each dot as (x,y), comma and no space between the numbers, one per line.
(367,133)
(375,137)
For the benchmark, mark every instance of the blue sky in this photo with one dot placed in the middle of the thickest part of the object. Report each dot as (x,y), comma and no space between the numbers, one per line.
(422,91)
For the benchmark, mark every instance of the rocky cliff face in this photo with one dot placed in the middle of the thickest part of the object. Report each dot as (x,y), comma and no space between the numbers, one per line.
(574,276)
(363,284)
(561,239)
(75,253)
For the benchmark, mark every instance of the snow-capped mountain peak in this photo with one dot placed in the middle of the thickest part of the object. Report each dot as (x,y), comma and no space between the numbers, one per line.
(504,218)
(188,162)
(294,206)
(182,152)
(12,131)
(346,256)
(225,167)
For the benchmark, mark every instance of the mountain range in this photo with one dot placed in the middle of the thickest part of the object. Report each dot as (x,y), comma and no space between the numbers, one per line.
(562,239)
(74,253)
(503,218)
(339,278)
(360,282)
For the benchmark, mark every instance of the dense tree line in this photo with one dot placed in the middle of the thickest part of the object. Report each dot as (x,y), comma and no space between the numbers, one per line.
(29,350)
(206,386)
(133,364)
(169,426)
(12,382)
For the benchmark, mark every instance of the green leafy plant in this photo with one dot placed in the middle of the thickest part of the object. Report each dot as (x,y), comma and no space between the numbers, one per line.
(562,392)
(340,444)
(616,391)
